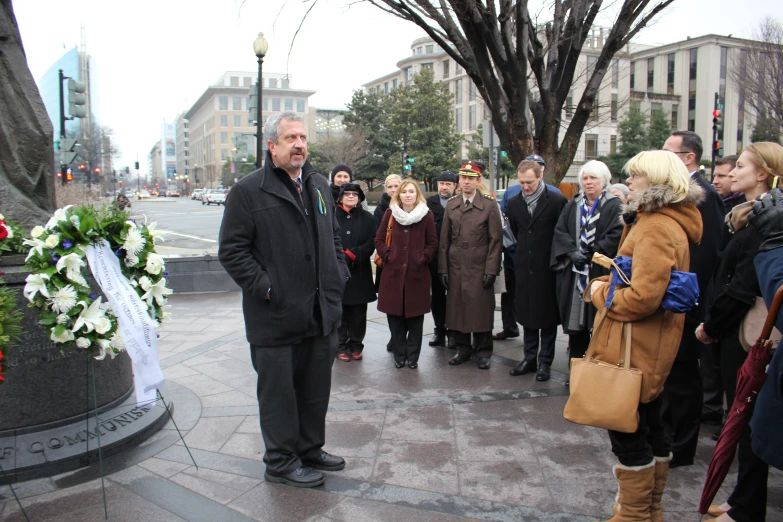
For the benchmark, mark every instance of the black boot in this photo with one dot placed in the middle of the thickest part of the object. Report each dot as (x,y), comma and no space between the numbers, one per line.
(438,339)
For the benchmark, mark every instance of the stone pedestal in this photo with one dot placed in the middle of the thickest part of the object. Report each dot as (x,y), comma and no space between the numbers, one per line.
(47,392)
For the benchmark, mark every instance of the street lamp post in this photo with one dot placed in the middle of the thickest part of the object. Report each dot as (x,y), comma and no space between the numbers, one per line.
(260,47)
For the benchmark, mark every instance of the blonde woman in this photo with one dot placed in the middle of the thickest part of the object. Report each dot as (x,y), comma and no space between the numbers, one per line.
(404,293)
(661,221)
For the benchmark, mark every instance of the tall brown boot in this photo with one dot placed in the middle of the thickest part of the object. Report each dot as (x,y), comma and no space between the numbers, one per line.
(632,503)
(661,475)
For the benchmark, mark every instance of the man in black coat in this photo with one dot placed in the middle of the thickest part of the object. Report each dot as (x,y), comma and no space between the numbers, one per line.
(279,241)
(533,215)
(683,392)
(437,204)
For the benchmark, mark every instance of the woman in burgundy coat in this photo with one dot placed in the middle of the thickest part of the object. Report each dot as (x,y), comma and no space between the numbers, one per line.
(404,292)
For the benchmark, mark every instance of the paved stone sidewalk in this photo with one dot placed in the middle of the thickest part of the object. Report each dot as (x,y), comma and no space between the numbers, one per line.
(436,443)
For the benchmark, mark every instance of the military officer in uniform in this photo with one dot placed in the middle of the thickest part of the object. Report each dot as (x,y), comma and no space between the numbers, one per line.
(469,257)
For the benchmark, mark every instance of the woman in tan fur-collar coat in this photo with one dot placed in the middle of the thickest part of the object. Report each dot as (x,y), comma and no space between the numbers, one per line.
(661,221)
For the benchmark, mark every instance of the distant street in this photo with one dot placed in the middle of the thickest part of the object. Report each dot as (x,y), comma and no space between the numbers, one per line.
(191,228)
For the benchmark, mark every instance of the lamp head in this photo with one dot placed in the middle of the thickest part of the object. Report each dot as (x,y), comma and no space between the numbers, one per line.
(260,46)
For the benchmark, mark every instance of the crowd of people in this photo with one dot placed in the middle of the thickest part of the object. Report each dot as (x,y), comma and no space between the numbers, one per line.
(305,305)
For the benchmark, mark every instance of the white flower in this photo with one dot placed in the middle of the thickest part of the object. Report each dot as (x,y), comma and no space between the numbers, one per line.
(36,245)
(102,325)
(35,284)
(66,336)
(9,231)
(155,264)
(3,217)
(89,316)
(131,260)
(73,268)
(37,232)
(62,319)
(52,241)
(134,242)
(59,215)
(157,291)
(154,234)
(83,342)
(75,221)
(105,348)
(117,342)
(63,300)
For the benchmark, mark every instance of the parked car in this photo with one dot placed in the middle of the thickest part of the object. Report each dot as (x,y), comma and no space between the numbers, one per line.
(144,194)
(197,193)
(163,193)
(173,193)
(218,197)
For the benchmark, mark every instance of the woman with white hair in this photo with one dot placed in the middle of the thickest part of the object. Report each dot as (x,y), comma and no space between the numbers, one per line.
(589,223)
(619,190)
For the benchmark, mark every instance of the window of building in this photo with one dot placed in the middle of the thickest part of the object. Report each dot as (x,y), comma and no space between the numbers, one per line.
(591,146)
(386,87)
(276,104)
(419,50)
(265,104)
(615,73)
(285,83)
(223,137)
(569,108)
(427,65)
(633,74)
(429,49)
(289,104)
(694,55)
(693,60)
(591,61)
(237,103)
(655,106)
(394,83)
(222,103)
(741,103)
(273,83)
(445,69)
(300,106)
(675,116)
(612,144)
(670,74)
(458,120)
(247,81)
(237,120)
(223,120)
(724,53)
(594,109)
(650,73)
(408,74)
(472,117)
(235,81)
(471,91)
(613,108)
(223,154)
(458,91)
(457,69)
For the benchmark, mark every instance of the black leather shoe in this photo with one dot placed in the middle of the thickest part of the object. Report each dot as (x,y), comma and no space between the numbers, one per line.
(505,334)
(523,368)
(389,347)
(451,344)
(326,462)
(302,477)
(459,359)
(438,340)
(680,462)
(483,363)
(399,364)
(413,365)
(543,372)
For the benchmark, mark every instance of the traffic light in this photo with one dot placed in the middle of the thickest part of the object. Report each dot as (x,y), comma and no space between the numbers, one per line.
(136,165)
(98,171)
(76,99)
(68,176)
(407,162)
(717,120)
(82,166)
(67,155)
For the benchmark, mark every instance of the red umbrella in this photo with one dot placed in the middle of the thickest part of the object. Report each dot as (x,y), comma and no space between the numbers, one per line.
(750,379)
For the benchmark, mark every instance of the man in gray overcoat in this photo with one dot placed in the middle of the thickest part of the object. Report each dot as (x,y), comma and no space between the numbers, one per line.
(471,243)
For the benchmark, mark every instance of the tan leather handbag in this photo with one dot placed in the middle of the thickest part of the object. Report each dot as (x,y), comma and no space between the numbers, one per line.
(751,325)
(605,395)
(377,260)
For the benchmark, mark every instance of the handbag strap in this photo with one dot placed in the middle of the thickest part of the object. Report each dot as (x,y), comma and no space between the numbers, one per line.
(389,230)
(628,329)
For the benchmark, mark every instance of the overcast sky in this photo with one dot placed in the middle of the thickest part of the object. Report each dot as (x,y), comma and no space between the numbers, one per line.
(155,58)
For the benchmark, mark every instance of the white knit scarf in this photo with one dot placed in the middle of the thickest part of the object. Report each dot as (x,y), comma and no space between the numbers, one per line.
(409,218)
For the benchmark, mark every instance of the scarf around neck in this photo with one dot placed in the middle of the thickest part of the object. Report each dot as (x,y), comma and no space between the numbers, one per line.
(409,218)
(532,199)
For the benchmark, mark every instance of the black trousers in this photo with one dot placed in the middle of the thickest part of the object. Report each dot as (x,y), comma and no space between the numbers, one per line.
(748,501)
(732,358)
(508,303)
(711,382)
(294,382)
(352,328)
(650,439)
(578,344)
(481,345)
(438,302)
(406,333)
(681,412)
(548,336)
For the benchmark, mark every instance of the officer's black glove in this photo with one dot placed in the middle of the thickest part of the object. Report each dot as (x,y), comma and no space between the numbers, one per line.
(578,259)
(444,280)
(489,280)
(767,218)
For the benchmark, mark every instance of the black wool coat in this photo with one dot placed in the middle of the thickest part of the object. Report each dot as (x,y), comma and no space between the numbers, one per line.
(433,203)
(267,241)
(536,287)
(357,234)
(380,211)
(704,262)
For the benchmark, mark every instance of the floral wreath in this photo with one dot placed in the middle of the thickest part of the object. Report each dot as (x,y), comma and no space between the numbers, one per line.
(11,237)
(69,310)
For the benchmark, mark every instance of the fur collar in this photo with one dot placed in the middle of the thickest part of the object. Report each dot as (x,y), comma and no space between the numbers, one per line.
(656,197)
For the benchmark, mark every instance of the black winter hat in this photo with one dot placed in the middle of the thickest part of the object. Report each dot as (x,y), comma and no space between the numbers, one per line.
(447,175)
(340,168)
(354,187)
